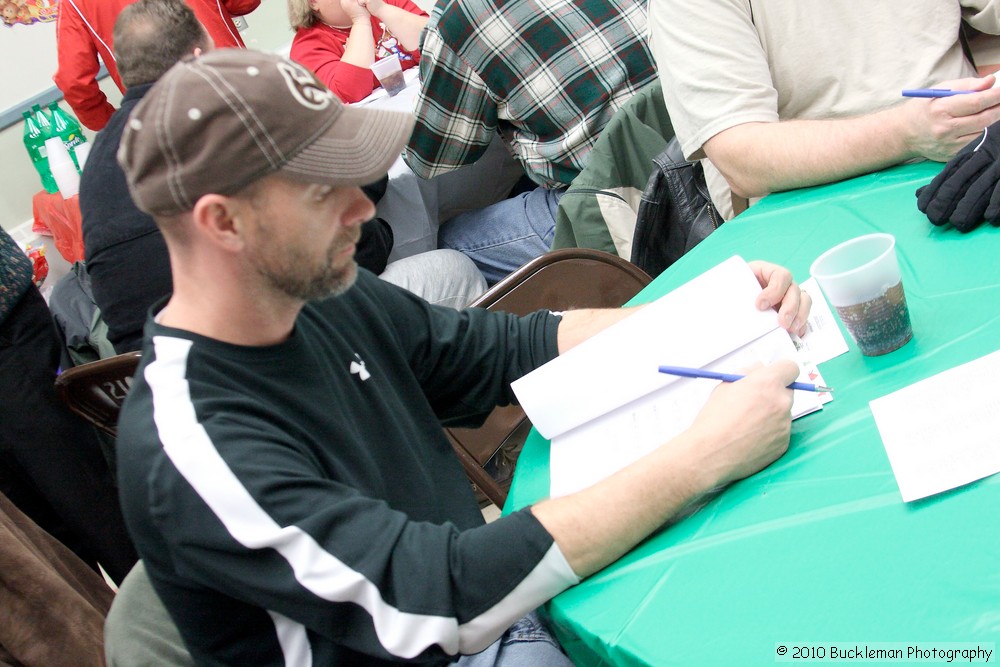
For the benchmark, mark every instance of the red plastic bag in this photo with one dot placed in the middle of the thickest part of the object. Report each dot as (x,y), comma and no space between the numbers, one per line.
(40,228)
(62,217)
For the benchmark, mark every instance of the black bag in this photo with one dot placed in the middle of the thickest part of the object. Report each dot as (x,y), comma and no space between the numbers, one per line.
(675,213)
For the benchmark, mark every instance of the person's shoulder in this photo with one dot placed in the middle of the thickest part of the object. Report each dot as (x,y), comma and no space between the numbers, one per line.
(111,133)
(136,415)
(307,40)
(306,35)
(318,31)
(89,8)
(457,11)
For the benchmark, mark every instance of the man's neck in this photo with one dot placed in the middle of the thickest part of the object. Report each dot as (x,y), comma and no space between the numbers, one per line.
(241,316)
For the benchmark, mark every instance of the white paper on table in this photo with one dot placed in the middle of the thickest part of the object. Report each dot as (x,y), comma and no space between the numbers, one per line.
(604,403)
(941,433)
(822,340)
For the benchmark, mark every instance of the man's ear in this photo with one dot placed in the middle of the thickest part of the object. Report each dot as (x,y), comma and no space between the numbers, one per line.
(216,219)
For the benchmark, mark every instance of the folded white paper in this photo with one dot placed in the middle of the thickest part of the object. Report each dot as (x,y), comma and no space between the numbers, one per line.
(604,404)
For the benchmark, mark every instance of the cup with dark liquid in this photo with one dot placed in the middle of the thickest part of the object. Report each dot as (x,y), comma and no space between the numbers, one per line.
(389,73)
(861,279)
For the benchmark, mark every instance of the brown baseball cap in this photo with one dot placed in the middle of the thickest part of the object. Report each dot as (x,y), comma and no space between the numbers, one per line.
(218,122)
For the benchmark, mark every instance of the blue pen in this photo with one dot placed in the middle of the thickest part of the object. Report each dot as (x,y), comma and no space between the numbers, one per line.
(936,92)
(730,377)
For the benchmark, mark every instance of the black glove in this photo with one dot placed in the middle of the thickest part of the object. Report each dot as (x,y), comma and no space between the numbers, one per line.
(968,189)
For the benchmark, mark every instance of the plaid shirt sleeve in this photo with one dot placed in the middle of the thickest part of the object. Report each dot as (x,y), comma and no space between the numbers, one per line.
(456,115)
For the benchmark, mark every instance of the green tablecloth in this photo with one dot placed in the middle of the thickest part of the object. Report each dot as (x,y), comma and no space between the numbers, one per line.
(818,548)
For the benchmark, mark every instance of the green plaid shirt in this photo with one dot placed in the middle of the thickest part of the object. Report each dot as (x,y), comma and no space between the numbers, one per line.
(548,74)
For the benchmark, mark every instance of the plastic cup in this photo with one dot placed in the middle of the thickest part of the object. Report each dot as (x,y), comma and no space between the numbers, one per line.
(389,73)
(81,151)
(62,167)
(861,280)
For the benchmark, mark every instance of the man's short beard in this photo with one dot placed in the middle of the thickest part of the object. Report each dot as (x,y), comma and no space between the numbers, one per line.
(311,288)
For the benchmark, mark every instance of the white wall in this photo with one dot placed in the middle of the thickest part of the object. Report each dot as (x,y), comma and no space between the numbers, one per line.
(21,78)
(27,71)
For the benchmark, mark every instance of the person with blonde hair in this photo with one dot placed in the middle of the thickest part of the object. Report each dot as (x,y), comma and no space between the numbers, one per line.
(332,39)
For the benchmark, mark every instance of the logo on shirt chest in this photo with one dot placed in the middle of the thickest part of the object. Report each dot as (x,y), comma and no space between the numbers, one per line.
(358,368)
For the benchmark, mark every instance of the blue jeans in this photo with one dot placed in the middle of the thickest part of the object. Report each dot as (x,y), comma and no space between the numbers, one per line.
(527,643)
(504,236)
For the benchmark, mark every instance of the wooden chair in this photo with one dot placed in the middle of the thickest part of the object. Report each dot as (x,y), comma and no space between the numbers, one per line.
(559,280)
(96,390)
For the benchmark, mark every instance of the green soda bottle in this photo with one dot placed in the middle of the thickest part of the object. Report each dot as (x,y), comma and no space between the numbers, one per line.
(42,120)
(34,142)
(68,129)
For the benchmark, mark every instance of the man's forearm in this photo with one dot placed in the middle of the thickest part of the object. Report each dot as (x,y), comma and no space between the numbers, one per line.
(743,427)
(598,525)
(760,158)
(579,325)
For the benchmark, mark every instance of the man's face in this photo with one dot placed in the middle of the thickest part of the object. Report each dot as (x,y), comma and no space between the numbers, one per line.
(301,238)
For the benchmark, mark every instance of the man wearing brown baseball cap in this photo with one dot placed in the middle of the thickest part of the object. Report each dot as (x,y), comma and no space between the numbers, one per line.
(281,461)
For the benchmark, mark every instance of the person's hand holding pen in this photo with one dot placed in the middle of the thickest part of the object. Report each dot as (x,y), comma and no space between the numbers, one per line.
(966,191)
(745,425)
(937,126)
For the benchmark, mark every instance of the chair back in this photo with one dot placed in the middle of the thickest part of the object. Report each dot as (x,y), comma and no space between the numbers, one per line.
(599,208)
(96,390)
(558,280)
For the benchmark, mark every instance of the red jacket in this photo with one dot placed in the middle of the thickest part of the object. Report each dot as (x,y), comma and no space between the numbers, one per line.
(320,48)
(83,32)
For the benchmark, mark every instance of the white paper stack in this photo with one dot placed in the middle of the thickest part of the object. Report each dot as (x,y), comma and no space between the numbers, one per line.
(604,404)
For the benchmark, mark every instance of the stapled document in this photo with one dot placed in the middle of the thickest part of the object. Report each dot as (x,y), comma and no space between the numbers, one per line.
(604,404)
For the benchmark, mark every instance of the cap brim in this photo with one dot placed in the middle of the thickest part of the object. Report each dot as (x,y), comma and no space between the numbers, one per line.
(356,150)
